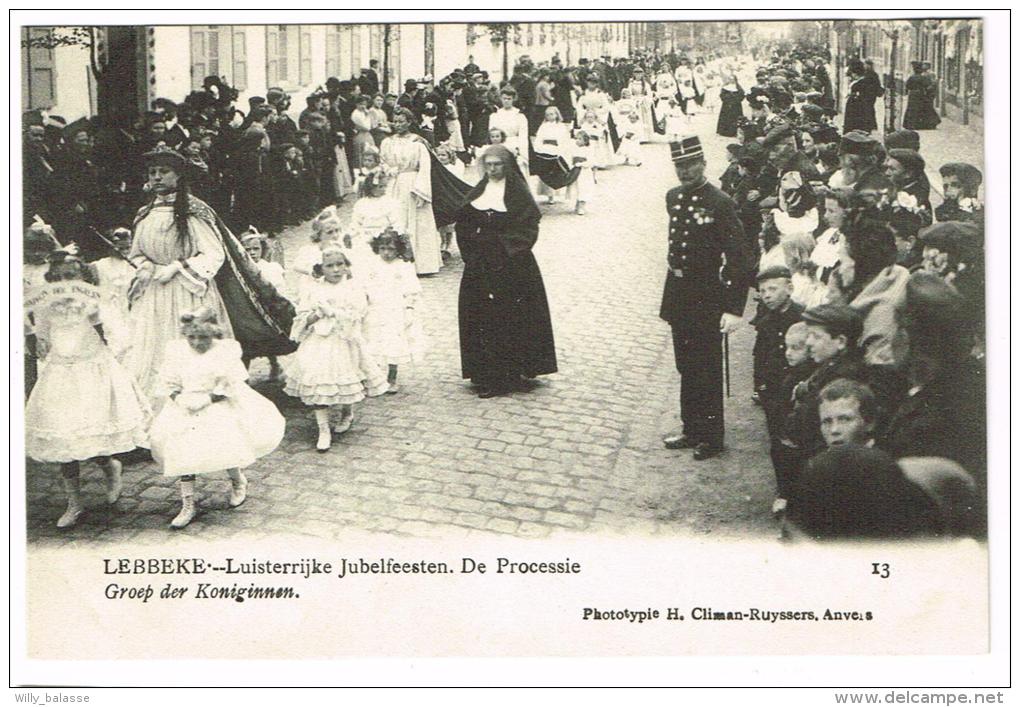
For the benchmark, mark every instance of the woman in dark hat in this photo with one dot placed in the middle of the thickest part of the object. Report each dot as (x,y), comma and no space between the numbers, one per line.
(960,184)
(859,113)
(186,258)
(906,170)
(505,326)
(920,113)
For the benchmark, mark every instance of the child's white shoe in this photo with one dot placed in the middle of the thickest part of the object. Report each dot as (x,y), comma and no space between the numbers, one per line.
(72,487)
(187,513)
(393,389)
(71,515)
(238,488)
(114,482)
(325,440)
(346,420)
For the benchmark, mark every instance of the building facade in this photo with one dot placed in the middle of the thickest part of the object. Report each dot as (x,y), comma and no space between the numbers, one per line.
(60,65)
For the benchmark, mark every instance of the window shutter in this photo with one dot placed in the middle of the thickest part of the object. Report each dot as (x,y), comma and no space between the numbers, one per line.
(240,59)
(41,75)
(355,52)
(332,49)
(272,56)
(213,50)
(198,62)
(305,51)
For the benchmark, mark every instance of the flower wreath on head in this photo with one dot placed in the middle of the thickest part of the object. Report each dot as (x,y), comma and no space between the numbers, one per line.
(401,242)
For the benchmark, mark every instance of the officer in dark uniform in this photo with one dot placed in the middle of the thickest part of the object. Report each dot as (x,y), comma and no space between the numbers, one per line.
(704,296)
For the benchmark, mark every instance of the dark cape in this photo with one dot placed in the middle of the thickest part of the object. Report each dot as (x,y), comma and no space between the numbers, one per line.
(614,135)
(505,325)
(260,316)
(731,112)
(553,170)
(448,191)
(659,126)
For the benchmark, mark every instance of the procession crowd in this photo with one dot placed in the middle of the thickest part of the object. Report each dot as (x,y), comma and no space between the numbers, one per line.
(868,361)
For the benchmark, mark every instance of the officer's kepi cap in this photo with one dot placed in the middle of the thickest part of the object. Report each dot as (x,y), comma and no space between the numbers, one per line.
(686,150)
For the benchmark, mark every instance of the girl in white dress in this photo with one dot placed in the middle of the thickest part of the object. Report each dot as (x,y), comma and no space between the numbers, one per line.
(628,120)
(84,405)
(676,120)
(370,162)
(326,229)
(598,136)
(115,274)
(392,328)
(374,212)
(665,89)
(407,156)
(257,246)
(641,92)
(582,154)
(212,421)
(552,138)
(332,366)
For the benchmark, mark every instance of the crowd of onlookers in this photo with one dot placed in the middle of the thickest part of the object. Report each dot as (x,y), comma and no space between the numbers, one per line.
(272,164)
(869,356)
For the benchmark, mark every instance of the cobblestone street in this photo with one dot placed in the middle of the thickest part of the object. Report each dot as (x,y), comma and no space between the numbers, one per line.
(579,452)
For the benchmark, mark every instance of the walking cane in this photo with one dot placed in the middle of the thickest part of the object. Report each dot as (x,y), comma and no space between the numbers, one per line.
(726,362)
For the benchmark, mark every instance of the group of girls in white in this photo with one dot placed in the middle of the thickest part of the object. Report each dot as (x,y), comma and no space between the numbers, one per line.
(355,292)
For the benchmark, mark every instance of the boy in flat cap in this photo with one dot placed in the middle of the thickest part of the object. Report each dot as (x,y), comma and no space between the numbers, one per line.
(777,314)
(833,331)
(704,295)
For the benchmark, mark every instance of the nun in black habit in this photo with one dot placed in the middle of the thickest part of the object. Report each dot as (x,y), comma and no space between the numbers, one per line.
(505,328)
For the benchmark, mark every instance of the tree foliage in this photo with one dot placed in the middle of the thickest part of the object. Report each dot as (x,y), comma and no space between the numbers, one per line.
(504,32)
(59,37)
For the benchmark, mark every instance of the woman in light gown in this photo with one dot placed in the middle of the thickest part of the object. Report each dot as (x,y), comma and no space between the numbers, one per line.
(514,125)
(362,120)
(179,248)
(407,156)
(641,92)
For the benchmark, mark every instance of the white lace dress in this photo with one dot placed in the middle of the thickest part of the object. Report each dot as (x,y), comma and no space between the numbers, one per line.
(228,434)
(392,327)
(84,404)
(333,365)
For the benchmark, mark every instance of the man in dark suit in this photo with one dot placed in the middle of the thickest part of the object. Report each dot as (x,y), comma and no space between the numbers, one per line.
(409,98)
(704,296)
(369,81)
